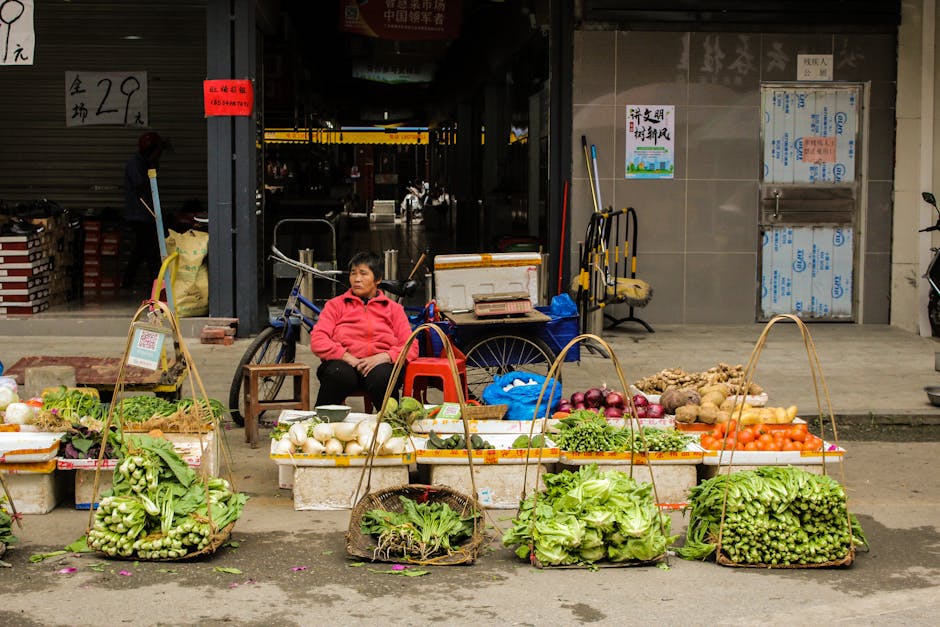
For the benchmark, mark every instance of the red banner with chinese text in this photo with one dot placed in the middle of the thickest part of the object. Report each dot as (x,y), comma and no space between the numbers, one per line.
(401,19)
(228,97)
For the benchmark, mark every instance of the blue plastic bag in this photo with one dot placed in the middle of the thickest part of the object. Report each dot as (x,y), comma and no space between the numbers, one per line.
(563,306)
(522,398)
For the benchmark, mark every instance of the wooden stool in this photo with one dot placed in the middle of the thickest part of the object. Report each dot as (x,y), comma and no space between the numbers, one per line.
(253,374)
(422,370)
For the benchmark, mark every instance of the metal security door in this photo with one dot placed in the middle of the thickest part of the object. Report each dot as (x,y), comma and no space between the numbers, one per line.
(809,203)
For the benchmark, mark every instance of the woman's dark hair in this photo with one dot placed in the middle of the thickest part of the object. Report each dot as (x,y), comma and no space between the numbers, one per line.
(370,259)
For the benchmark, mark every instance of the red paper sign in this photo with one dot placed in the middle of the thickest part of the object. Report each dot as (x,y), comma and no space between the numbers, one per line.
(228,97)
(401,19)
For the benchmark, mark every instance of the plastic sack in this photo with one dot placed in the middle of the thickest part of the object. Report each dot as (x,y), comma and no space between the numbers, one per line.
(521,398)
(563,306)
(191,285)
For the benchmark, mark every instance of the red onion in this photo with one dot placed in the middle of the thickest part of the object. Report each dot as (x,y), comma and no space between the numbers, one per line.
(641,411)
(613,412)
(640,401)
(614,399)
(593,397)
(579,406)
(564,405)
(654,410)
(577,397)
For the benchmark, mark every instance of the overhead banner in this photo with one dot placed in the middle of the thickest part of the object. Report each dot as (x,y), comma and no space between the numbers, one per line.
(401,19)
(228,97)
(650,142)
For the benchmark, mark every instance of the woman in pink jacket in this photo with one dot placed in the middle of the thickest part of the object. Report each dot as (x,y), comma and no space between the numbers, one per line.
(359,336)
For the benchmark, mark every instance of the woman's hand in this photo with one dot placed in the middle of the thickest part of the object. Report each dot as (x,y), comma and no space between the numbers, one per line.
(366,364)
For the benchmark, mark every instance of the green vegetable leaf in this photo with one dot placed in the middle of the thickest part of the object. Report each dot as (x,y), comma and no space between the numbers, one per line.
(79,546)
(98,567)
(171,571)
(35,558)
(356,564)
(233,543)
(227,570)
(82,444)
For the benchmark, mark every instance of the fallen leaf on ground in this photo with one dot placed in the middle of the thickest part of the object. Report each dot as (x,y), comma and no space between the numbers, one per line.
(230,571)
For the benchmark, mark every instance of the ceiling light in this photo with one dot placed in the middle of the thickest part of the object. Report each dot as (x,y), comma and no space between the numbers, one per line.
(132,37)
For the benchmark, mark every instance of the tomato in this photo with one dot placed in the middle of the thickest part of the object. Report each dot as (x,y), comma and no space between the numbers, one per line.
(812,443)
(790,445)
(708,442)
(766,438)
(773,446)
(797,434)
(746,436)
(751,446)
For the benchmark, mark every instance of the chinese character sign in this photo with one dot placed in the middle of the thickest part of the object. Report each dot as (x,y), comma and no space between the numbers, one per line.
(96,98)
(650,142)
(228,97)
(401,19)
(814,67)
(17,36)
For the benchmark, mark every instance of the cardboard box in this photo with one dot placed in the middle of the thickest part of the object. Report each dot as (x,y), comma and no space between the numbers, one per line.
(334,488)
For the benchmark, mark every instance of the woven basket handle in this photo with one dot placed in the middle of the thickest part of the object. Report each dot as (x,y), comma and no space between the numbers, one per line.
(401,363)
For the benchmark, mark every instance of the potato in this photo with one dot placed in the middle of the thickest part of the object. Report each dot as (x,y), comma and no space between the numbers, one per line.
(672,399)
(723,417)
(708,414)
(716,398)
(780,415)
(687,413)
(791,413)
(750,417)
(726,405)
(720,388)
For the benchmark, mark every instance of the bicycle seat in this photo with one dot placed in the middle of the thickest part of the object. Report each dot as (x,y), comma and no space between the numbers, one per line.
(399,288)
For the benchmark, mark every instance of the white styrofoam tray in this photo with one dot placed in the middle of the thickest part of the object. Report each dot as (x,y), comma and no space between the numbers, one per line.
(693,454)
(758,400)
(25,447)
(439,425)
(774,458)
(501,455)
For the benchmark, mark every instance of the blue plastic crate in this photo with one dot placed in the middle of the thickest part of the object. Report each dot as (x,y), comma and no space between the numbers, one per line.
(557,332)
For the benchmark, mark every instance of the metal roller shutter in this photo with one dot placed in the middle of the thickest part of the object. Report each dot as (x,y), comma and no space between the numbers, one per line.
(82,167)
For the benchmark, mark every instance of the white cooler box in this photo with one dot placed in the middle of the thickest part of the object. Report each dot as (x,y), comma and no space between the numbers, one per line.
(458,277)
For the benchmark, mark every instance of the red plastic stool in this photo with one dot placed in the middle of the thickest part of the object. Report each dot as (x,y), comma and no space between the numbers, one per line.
(421,371)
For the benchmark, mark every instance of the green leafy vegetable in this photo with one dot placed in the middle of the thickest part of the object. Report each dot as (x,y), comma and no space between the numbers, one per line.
(589,516)
(72,404)
(419,531)
(773,516)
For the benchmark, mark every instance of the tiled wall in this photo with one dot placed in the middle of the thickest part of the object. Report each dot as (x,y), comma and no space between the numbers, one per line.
(698,232)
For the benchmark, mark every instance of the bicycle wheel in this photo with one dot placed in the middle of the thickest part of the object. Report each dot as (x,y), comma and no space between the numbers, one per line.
(272,346)
(495,355)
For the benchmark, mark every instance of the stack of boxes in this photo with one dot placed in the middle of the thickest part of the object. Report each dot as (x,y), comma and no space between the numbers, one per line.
(101,250)
(24,274)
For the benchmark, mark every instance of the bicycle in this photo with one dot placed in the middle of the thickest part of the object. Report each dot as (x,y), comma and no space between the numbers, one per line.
(933,272)
(277,343)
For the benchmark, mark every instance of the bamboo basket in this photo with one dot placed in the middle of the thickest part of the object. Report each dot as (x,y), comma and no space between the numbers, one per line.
(546,393)
(822,392)
(158,311)
(362,545)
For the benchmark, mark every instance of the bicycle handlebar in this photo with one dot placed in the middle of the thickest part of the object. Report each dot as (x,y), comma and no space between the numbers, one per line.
(321,274)
(935,227)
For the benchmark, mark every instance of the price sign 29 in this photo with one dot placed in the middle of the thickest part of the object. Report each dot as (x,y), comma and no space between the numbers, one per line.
(93,98)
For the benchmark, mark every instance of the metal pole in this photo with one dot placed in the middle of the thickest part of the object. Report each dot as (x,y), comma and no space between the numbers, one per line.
(158,214)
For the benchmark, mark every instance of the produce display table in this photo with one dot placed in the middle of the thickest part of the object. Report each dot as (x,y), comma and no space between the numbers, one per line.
(101,373)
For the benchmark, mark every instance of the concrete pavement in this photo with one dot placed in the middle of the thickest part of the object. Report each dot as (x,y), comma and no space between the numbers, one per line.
(874,374)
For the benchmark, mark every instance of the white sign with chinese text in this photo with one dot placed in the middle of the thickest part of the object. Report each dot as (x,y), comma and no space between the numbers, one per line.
(95,98)
(17,35)
(650,142)
(814,67)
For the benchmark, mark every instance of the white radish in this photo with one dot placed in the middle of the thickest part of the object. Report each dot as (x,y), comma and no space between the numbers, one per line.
(384,433)
(344,431)
(333,447)
(323,432)
(353,448)
(313,447)
(394,446)
(365,431)
(297,434)
(283,447)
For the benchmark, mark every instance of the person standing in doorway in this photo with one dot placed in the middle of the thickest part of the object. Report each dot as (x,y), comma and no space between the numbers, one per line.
(138,210)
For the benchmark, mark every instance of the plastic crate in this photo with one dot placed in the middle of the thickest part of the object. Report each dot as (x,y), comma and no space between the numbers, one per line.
(557,332)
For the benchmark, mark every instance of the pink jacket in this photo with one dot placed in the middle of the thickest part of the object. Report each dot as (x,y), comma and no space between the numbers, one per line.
(363,329)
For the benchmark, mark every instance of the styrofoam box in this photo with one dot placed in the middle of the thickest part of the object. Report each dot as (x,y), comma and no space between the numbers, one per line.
(197,449)
(285,477)
(28,447)
(691,456)
(36,488)
(439,425)
(85,486)
(458,277)
(499,486)
(774,458)
(502,454)
(673,481)
(707,472)
(333,488)
(758,400)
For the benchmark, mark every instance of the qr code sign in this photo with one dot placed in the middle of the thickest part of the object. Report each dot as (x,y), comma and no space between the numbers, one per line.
(148,340)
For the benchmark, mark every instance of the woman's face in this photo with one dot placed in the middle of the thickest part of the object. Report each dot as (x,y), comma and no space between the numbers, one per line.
(363,282)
